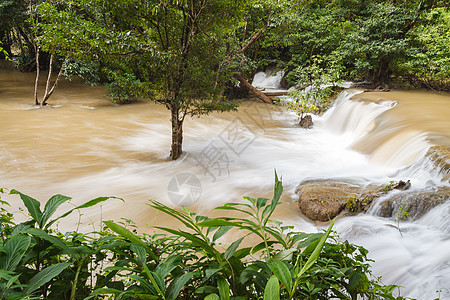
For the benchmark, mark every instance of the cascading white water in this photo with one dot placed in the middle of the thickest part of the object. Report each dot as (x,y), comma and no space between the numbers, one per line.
(263,80)
(84,147)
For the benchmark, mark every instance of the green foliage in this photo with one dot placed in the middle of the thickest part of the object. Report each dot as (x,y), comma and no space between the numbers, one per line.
(191,262)
(316,86)
(36,260)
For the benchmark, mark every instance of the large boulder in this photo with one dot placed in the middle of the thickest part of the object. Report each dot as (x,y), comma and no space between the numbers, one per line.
(414,204)
(322,200)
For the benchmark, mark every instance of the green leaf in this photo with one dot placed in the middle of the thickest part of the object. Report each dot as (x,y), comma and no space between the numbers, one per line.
(272,290)
(15,249)
(168,264)
(220,232)
(224,288)
(260,202)
(141,254)
(150,288)
(194,239)
(315,255)
(282,272)
(52,239)
(262,246)
(51,206)
(210,272)
(45,276)
(6,275)
(31,204)
(177,284)
(85,205)
(216,223)
(230,251)
(212,297)
(355,278)
(125,233)
(284,255)
(241,253)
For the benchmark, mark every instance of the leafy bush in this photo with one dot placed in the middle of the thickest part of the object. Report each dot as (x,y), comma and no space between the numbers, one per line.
(188,263)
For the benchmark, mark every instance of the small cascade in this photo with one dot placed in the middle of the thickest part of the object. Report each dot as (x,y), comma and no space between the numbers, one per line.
(355,118)
(267,80)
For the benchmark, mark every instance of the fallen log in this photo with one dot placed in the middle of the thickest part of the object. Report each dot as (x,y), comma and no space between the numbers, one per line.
(252,89)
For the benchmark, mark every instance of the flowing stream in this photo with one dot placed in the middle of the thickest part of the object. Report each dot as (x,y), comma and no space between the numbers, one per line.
(83,146)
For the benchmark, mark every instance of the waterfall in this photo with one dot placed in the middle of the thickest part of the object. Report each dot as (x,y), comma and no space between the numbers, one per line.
(268,80)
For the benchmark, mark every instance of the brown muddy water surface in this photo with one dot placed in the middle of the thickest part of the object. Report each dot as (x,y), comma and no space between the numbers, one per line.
(84,147)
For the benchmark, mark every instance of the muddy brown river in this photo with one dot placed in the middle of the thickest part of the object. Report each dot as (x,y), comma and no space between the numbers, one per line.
(84,147)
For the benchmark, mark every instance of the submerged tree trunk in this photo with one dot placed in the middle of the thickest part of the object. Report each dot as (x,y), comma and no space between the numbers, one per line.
(36,82)
(177,133)
(48,92)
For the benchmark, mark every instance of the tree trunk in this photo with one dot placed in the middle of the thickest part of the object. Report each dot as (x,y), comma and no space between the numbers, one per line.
(55,84)
(36,82)
(177,133)
(252,89)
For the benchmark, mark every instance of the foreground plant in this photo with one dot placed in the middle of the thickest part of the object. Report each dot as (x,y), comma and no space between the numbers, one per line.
(192,263)
(36,260)
(186,263)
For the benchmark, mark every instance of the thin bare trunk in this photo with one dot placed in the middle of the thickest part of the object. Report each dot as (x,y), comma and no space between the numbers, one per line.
(55,84)
(47,85)
(36,82)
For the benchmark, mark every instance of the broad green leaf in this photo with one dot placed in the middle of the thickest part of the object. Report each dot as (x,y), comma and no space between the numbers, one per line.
(32,205)
(272,290)
(51,206)
(211,272)
(224,288)
(241,253)
(261,202)
(177,284)
(282,272)
(212,297)
(233,247)
(45,276)
(284,255)
(15,249)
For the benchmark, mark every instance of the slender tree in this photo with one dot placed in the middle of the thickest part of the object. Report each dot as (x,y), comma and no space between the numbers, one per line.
(168,51)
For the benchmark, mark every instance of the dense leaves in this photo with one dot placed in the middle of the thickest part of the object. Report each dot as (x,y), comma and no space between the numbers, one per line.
(197,261)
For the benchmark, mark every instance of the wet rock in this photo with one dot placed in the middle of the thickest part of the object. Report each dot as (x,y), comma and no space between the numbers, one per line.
(415,203)
(306,122)
(440,157)
(322,200)
(402,185)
